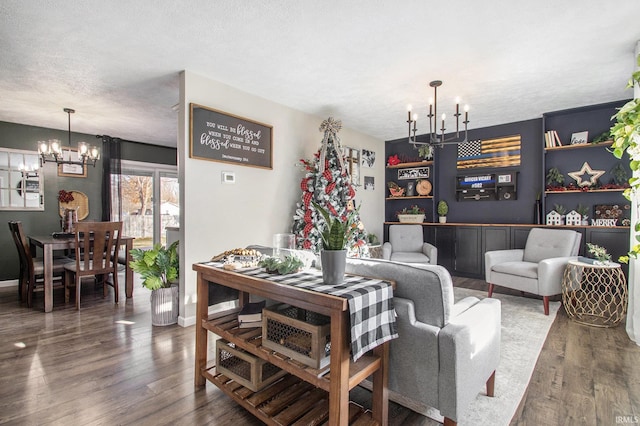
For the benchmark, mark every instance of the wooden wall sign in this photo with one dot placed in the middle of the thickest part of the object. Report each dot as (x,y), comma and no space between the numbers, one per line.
(218,136)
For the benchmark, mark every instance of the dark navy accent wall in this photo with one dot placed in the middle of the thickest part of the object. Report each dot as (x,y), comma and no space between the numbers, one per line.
(445,172)
(528,178)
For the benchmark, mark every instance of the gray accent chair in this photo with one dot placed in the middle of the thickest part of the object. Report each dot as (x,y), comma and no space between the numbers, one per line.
(406,244)
(536,269)
(445,353)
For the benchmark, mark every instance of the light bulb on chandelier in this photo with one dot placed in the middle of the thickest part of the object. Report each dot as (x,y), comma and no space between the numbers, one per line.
(52,149)
(433,138)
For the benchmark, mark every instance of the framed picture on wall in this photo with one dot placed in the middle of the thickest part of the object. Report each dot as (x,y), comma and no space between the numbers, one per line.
(72,170)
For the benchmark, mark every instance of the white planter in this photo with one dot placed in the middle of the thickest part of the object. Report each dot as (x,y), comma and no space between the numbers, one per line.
(411,218)
(442,219)
(164,306)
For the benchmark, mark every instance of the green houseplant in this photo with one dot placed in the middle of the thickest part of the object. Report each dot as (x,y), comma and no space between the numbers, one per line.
(600,253)
(335,235)
(626,138)
(443,209)
(159,268)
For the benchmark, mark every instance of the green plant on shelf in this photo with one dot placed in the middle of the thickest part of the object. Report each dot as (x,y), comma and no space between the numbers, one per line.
(582,210)
(443,208)
(426,151)
(603,137)
(619,174)
(560,209)
(412,210)
(554,178)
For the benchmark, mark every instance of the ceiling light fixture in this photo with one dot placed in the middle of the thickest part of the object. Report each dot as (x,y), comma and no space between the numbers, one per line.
(52,150)
(434,139)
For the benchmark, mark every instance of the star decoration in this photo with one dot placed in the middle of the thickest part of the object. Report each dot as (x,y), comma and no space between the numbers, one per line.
(586,170)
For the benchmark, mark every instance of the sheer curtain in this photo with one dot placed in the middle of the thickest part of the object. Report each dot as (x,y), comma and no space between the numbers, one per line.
(111,188)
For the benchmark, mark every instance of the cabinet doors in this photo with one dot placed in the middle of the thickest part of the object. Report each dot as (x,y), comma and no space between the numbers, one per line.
(445,237)
(468,250)
(615,240)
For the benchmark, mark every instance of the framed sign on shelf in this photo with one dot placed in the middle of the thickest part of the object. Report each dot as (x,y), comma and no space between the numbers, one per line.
(414,173)
(72,170)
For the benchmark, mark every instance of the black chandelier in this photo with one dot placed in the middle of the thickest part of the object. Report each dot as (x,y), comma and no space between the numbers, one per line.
(53,151)
(434,139)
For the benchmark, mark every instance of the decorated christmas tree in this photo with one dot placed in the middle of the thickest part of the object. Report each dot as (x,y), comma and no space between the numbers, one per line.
(327,182)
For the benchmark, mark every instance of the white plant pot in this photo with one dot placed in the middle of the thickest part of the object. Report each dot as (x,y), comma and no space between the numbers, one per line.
(333,265)
(164,306)
(442,219)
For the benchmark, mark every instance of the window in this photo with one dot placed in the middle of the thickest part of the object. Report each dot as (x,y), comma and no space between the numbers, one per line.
(21,183)
(149,203)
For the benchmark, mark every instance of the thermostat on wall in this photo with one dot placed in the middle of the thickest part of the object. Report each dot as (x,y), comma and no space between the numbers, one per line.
(228,177)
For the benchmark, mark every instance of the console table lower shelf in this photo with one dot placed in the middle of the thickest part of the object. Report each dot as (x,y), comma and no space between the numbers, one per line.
(289,401)
(300,397)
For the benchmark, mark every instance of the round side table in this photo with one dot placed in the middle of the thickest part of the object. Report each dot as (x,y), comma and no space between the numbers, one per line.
(593,294)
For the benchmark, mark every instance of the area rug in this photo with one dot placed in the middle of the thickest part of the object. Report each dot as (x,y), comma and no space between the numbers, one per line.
(524,330)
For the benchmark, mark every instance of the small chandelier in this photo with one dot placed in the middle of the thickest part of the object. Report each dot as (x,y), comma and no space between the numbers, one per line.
(52,150)
(434,138)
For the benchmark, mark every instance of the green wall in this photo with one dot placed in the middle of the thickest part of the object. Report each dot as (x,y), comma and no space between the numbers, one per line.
(19,136)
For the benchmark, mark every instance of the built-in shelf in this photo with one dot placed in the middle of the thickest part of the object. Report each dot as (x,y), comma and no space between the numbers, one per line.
(410,198)
(414,164)
(579,146)
(577,191)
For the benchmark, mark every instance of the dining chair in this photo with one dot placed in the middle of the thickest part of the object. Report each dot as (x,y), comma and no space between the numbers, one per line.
(32,268)
(96,249)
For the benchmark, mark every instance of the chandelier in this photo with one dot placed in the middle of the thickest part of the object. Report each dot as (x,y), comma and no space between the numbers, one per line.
(52,150)
(433,138)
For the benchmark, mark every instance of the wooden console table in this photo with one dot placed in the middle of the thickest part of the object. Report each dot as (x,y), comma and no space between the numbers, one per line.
(331,391)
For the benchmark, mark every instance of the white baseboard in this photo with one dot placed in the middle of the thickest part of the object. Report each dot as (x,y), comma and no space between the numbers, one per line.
(223,306)
(186,321)
(9,283)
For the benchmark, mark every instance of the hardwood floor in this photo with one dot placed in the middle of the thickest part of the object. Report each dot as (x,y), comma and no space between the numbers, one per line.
(106,364)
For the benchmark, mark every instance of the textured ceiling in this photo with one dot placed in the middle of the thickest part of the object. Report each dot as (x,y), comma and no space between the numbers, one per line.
(117,62)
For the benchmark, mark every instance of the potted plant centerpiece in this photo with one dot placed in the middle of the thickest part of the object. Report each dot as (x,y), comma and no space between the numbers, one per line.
(335,236)
(443,209)
(413,214)
(600,253)
(159,268)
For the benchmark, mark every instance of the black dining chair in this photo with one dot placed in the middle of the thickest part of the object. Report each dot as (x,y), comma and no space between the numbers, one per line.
(96,254)
(32,268)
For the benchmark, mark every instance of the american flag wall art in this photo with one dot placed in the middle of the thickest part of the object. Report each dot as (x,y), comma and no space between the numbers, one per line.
(500,152)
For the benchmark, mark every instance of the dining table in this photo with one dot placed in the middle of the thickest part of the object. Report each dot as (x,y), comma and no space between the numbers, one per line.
(49,244)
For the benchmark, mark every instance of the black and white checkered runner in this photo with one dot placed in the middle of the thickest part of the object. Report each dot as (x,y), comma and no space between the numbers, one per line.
(370,301)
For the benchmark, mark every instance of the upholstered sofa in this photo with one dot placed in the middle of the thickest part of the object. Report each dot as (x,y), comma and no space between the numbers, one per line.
(446,352)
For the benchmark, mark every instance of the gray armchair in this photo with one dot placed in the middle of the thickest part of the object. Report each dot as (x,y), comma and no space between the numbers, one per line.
(406,244)
(538,268)
(446,352)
